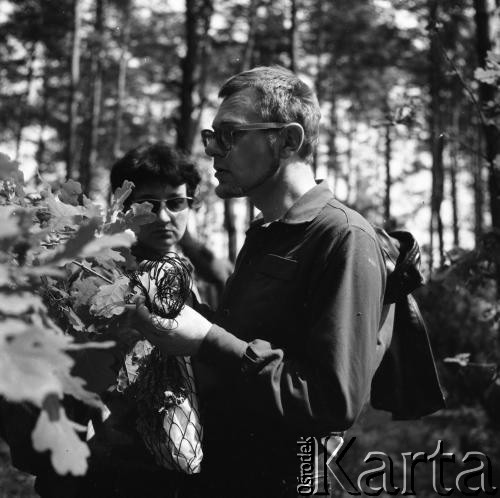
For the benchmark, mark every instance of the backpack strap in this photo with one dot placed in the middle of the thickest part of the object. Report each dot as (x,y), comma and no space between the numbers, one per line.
(402,259)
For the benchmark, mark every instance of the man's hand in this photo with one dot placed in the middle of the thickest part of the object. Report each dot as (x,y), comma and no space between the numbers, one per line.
(181,336)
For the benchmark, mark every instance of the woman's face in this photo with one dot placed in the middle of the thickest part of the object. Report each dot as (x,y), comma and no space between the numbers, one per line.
(172,211)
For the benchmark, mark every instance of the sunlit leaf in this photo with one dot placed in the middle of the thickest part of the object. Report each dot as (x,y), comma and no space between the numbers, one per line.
(9,224)
(42,271)
(62,214)
(69,192)
(4,275)
(109,257)
(97,246)
(462,359)
(110,300)
(68,452)
(8,168)
(20,302)
(74,320)
(83,290)
(138,214)
(34,363)
(10,327)
(92,210)
(73,247)
(29,364)
(120,195)
(488,76)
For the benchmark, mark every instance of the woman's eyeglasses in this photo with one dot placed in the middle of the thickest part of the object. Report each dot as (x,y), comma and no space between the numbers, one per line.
(224,135)
(173,204)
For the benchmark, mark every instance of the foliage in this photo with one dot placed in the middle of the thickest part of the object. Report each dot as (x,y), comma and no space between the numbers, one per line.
(461,305)
(490,75)
(62,274)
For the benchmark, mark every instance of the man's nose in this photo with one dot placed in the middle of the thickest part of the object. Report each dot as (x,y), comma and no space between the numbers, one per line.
(212,149)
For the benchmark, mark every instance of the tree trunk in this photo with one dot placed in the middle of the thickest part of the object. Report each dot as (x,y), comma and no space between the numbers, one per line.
(25,99)
(122,78)
(248,52)
(388,176)
(292,36)
(454,154)
(318,81)
(40,151)
(349,172)
(478,185)
(73,91)
(487,94)
(332,141)
(205,51)
(439,200)
(198,16)
(90,151)
(188,66)
(246,62)
(436,141)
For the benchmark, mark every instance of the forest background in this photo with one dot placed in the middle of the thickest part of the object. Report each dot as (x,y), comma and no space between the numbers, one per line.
(409,137)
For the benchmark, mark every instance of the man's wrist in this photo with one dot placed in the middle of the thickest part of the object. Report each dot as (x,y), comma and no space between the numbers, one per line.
(220,347)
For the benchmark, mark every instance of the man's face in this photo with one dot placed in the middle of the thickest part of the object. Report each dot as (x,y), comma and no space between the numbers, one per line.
(251,156)
(162,235)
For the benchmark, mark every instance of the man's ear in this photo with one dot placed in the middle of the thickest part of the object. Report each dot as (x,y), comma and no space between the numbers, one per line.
(292,138)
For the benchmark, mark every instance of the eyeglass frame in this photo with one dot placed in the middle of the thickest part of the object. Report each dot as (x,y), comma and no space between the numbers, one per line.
(215,133)
(190,202)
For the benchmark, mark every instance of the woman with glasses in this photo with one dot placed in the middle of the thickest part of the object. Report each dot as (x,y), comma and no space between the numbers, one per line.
(129,459)
(167,180)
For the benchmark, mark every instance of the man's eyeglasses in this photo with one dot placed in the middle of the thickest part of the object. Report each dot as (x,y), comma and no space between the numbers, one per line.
(224,134)
(174,204)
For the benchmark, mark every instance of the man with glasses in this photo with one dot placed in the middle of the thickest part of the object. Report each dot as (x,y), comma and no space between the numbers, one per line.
(295,339)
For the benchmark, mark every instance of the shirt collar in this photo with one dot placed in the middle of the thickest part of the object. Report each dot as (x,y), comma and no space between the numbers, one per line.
(306,208)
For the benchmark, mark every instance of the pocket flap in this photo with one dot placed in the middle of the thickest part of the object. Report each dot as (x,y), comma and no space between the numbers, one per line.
(278,267)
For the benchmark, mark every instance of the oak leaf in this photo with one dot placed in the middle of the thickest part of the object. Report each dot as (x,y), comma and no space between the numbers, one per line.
(120,195)
(9,169)
(82,291)
(62,215)
(4,275)
(69,192)
(68,452)
(19,303)
(110,300)
(96,247)
(9,223)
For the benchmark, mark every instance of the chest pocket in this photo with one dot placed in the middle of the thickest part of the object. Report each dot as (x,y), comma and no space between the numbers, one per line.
(278,267)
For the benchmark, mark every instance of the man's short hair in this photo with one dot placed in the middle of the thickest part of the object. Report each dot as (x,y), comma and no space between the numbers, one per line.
(283,98)
(158,163)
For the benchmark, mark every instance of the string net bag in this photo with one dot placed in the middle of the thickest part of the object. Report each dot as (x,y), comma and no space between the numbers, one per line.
(163,387)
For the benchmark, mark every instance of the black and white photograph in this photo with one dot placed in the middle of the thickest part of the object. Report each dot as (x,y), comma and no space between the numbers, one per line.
(249,248)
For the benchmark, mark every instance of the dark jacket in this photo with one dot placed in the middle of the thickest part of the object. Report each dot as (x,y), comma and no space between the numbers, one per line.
(406,383)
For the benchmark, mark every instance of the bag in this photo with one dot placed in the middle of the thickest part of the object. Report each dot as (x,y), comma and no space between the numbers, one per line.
(168,417)
(406,382)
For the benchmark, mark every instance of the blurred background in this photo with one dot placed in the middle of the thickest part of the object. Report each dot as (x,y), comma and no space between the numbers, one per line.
(409,137)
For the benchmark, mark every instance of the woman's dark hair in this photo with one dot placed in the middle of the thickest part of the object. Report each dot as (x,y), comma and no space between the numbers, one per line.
(155,163)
